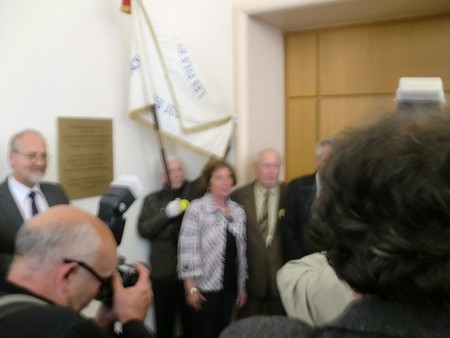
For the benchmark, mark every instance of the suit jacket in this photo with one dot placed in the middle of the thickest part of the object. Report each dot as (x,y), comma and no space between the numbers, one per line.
(300,195)
(11,219)
(263,263)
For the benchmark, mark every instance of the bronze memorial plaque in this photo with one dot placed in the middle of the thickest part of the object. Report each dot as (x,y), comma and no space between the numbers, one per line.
(85,153)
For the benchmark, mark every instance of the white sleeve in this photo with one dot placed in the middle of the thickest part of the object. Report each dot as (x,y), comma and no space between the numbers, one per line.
(311,291)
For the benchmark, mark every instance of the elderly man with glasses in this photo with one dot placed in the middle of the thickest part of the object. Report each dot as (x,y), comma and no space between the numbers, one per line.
(263,201)
(22,193)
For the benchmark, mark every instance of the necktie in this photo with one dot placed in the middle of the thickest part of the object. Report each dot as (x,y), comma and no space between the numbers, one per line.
(34,209)
(264,220)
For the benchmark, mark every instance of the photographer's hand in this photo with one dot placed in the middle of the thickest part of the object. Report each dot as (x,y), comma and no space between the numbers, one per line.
(132,303)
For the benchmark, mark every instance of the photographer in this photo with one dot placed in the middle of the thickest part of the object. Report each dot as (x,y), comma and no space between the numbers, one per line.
(64,257)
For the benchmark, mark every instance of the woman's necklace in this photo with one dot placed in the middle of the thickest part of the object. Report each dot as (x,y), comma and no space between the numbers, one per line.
(224,209)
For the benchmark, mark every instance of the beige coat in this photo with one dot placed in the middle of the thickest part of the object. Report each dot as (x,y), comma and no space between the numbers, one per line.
(311,291)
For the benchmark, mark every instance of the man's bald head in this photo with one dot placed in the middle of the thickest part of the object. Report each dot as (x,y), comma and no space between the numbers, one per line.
(68,215)
(267,167)
(65,231)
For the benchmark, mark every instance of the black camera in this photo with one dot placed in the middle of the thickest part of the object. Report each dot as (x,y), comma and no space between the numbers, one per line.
(129,276)
(113,204)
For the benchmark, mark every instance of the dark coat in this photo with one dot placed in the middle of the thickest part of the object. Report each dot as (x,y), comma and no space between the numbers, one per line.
(262,262)
(300,196)
(367,318)
(11,219)
(162,231)
(52,321)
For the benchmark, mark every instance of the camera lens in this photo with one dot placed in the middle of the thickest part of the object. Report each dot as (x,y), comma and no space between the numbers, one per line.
(129,276)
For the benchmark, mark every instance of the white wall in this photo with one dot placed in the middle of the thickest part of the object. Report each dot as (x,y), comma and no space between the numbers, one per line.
(259,57)
(70,58)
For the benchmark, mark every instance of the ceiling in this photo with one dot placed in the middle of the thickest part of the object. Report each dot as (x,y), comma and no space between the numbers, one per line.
(294,15)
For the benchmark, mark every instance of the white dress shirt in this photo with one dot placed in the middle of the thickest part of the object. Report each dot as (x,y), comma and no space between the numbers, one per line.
(21,194)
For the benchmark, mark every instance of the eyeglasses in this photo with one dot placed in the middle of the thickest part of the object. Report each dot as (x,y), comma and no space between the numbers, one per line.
(86,266)
(34,156)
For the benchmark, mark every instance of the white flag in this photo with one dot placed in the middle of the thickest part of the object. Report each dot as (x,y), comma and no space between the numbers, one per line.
(164,75)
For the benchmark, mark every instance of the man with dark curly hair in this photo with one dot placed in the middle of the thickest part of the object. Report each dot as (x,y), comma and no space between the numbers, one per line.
(383,219)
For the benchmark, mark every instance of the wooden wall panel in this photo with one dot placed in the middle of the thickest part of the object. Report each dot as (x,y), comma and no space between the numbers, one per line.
(338,113)
(371,59)
(344,76)
(300,136)
(302,73)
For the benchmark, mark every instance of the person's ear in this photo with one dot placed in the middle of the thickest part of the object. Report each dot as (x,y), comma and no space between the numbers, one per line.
(11,157)
(64,274)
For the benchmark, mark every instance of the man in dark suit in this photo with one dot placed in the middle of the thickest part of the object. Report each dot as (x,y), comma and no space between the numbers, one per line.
(28,160)
(300,195)
(264,252)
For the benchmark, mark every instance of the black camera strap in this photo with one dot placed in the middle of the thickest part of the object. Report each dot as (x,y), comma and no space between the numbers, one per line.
(16,301)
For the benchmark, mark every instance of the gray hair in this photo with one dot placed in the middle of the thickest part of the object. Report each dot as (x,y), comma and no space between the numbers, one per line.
(51,244)
(14,141)
(325,142)
(170,159)
(257,157)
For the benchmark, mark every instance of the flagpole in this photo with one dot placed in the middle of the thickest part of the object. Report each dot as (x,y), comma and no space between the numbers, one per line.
(126,6)
(152,109)
(162,150)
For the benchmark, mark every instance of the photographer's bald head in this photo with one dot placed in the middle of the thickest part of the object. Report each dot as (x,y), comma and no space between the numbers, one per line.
(50,248)
(64,257)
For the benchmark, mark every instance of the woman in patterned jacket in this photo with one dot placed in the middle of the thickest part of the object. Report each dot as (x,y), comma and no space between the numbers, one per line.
(212,252)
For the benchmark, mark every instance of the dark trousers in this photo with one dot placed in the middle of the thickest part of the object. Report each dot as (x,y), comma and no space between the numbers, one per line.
(262,306)
(215,314)
(169,300)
